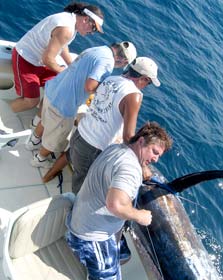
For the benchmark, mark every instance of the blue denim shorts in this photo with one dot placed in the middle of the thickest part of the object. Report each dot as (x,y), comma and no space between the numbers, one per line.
(100,257)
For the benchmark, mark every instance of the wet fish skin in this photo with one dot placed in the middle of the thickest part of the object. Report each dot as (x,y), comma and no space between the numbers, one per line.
(179,249)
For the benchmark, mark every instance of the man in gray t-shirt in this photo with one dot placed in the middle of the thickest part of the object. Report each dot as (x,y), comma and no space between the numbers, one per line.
(105,200)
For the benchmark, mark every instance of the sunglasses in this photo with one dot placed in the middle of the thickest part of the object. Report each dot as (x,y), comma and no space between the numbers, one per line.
(92,24)
(148,80)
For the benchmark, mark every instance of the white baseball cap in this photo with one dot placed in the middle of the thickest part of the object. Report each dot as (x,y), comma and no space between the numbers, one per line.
(147,67)
(129,50)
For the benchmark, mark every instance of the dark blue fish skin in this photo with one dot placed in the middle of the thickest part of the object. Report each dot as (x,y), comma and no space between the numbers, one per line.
(189,180)
(179,250)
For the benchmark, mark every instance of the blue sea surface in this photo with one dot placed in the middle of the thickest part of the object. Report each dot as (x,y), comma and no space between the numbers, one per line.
(185,38)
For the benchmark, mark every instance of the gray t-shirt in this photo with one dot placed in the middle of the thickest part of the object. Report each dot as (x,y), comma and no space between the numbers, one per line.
(117,166)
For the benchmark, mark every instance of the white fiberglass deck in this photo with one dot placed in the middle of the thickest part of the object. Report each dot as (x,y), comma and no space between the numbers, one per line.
(21,184)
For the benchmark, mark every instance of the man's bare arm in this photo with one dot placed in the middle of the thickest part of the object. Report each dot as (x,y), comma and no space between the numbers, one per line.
(129,108)
(59,38)
(120,204)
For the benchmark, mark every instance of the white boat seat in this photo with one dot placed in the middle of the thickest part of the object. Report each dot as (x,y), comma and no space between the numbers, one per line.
(9,121)
(35,248)
(6,73)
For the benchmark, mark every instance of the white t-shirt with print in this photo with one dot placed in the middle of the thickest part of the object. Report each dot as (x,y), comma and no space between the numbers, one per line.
(103,119)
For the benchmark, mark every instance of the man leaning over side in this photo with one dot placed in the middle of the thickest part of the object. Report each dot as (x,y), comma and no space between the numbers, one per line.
(105,200)
(70,89)
(114,109)
(34,56)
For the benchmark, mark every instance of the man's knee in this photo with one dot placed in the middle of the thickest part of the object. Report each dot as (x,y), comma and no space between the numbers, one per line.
(22,104)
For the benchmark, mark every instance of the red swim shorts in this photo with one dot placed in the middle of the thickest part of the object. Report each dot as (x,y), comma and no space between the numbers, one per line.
(29,78)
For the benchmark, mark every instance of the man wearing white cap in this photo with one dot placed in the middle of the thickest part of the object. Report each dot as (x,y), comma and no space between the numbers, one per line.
(146,67)
(114,110)
(34,56)
(70,89)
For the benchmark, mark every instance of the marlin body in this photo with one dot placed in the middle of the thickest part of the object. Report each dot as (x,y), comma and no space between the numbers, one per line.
(179,253)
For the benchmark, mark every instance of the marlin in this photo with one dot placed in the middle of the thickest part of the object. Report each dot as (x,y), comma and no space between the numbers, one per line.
(170,248)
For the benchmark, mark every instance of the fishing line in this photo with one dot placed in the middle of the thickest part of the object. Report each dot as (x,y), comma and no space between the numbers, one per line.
(150,239)
(195,203)
(164,186)
(154,252)
(147,230)
(135,205)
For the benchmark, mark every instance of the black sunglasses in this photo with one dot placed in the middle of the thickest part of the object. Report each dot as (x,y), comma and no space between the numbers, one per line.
(93,25)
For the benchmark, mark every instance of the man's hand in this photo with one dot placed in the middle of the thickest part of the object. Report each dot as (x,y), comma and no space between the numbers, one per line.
(146,173)
(144,217)
(119,203)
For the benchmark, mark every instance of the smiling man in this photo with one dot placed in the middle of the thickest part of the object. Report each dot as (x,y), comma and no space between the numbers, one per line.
(105,200)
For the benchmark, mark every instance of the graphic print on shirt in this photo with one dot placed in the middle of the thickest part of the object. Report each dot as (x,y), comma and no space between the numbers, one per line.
(103,100)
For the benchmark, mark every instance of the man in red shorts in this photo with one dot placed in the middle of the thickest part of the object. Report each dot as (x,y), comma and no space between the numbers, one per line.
(34,56)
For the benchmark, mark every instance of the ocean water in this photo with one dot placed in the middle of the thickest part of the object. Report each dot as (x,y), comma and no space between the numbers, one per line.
(185,38)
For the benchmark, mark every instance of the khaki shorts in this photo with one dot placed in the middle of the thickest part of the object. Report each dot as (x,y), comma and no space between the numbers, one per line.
(56,128)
